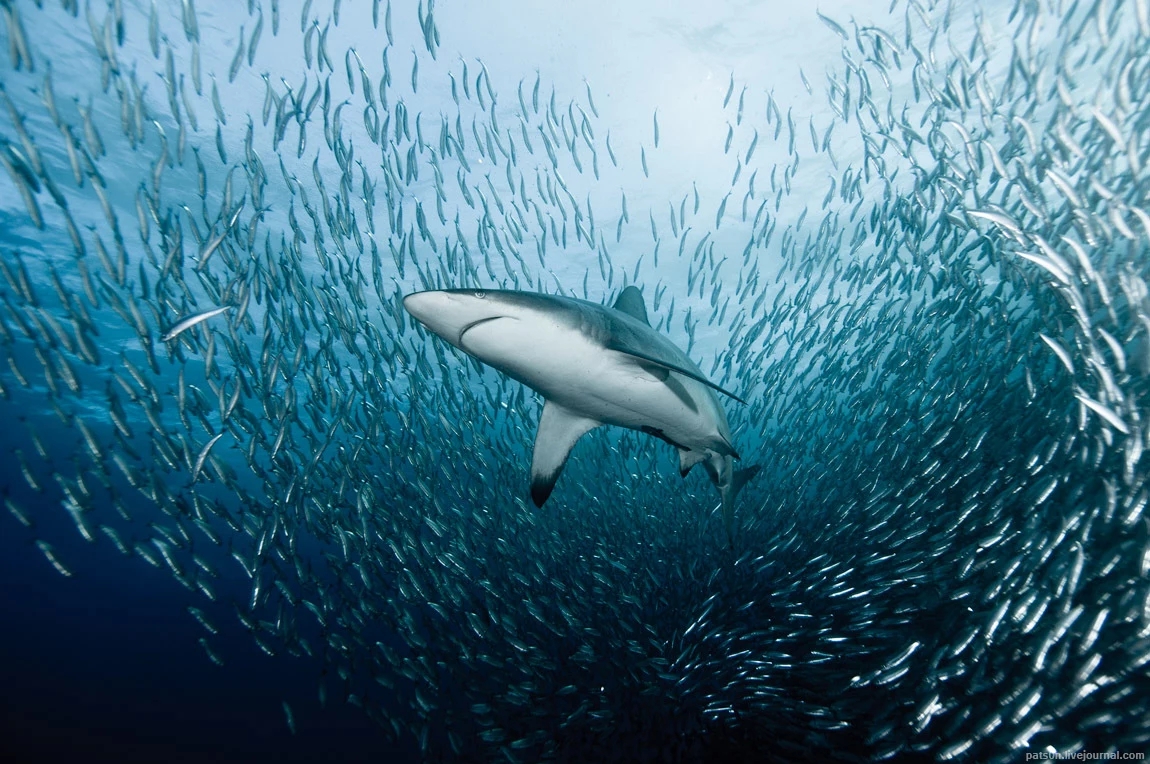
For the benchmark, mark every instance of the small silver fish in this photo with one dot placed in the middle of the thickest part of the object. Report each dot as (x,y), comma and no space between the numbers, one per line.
(188,322)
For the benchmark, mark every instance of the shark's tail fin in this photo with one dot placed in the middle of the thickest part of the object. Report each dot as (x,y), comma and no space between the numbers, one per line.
(739,479)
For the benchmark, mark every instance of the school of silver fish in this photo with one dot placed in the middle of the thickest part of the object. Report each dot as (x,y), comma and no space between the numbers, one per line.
(944,354)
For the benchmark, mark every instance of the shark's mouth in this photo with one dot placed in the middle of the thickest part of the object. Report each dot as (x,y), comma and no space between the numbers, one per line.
(474,324)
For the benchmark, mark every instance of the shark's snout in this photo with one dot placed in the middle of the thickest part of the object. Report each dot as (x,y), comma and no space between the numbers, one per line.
(422,305)
(436,311)
(449,313)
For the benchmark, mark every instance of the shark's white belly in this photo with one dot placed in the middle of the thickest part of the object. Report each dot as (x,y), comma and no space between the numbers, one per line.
(564,366)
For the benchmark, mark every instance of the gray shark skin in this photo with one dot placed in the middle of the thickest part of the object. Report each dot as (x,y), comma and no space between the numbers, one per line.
(593,365)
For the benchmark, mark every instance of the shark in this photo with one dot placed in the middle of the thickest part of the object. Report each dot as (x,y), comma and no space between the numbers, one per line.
(593,365)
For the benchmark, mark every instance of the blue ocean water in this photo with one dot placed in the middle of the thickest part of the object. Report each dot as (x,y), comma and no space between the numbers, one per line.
(105,666)
(254,511)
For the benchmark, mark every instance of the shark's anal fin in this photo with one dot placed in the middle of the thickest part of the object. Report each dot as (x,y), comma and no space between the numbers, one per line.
(631,303)
(626,349)
(559,429)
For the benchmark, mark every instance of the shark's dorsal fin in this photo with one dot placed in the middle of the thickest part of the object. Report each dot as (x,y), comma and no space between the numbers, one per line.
(558,431)
(631,303)
(620,345)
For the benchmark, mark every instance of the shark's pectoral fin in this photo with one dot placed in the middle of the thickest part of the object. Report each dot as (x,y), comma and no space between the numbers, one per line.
(559,429)
(621,346)
(724,447)
(661,373)
(688,459)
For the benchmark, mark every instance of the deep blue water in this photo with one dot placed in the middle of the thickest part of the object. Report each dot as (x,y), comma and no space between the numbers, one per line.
(105,666)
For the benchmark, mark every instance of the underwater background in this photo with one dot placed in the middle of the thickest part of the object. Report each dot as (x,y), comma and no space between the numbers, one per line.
(913,237)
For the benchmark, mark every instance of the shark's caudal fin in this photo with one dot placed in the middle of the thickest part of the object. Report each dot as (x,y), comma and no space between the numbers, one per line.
(739,479)
(558,431)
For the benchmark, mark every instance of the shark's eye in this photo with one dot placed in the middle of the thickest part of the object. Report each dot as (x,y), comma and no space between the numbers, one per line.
(480,295)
